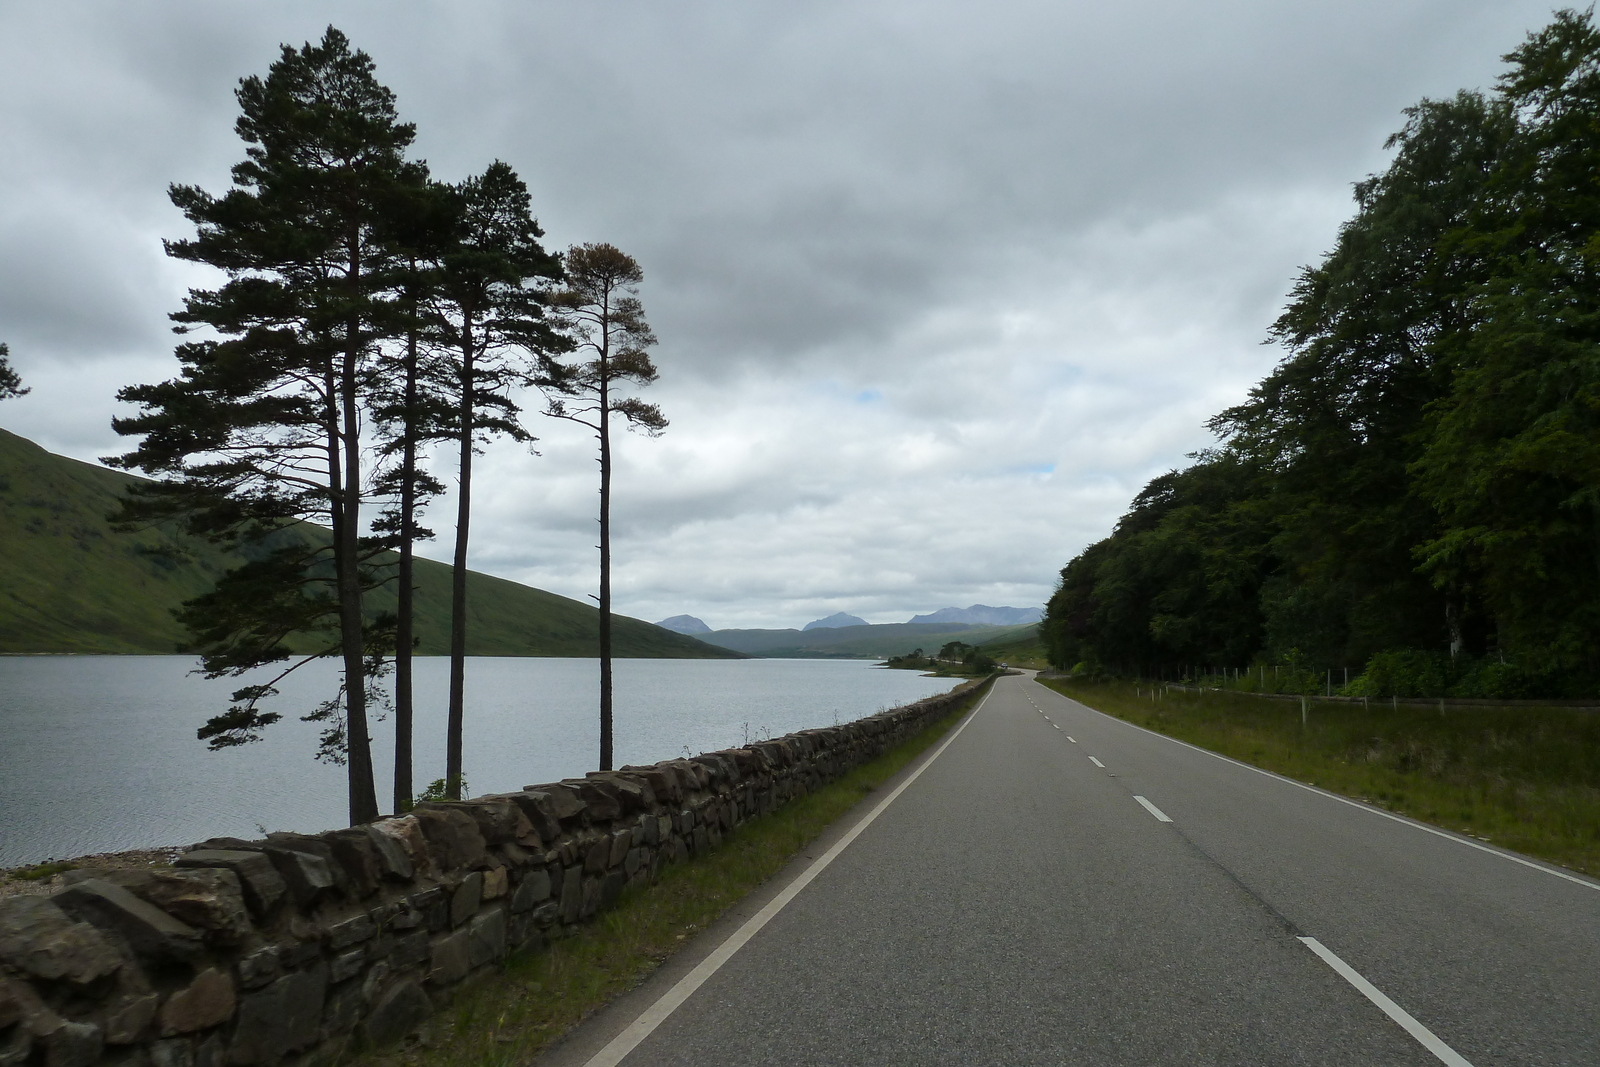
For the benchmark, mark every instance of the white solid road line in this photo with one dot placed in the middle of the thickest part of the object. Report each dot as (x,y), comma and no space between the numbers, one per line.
(618,1048)
(1574,879)
(1425,1037)
(1097,763)
(1160,815)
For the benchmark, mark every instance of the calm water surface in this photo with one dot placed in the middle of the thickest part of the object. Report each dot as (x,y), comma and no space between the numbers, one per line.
(98,753)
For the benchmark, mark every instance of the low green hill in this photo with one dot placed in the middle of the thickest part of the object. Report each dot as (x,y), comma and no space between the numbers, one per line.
(859,642)
(69,583)
(1021,647)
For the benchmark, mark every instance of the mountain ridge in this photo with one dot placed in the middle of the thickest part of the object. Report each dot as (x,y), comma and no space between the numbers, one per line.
(69,583)
(684,624)
(833,622)
(861,642)
(983,614)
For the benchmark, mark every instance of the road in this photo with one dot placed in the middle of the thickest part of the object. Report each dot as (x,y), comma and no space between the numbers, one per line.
(1024,900)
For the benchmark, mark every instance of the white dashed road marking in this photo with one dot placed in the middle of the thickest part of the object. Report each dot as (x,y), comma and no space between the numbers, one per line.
(653,1016)
(1425,1037)
(1160,815)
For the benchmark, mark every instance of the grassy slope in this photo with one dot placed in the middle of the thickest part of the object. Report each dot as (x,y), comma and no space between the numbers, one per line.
(854,642)
(68,583)
(1526,779)
(1019,646)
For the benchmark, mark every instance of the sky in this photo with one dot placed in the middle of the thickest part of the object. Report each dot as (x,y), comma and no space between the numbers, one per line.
(938,286)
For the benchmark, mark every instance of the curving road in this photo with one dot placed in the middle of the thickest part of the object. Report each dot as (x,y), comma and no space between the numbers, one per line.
(1055,886)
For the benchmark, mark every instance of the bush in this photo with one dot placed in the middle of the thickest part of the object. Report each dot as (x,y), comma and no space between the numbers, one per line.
(1413,673)
(1403,672)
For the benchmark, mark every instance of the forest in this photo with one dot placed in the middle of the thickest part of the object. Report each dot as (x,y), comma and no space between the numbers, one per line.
(1412,496)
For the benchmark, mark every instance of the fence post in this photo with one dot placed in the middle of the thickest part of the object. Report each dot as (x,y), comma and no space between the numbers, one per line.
(1303,720)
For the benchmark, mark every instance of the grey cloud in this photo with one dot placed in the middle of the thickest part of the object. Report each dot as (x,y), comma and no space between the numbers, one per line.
(938,285)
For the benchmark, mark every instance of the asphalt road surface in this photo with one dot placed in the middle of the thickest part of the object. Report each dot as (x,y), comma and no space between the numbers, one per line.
(1024,899)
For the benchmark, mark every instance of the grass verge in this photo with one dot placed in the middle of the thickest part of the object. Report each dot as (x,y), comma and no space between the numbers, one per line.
(1527,779)
(504,1019)
(42,870)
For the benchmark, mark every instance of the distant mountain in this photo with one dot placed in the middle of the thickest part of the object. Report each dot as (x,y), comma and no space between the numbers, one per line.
(834,621)
(863,642)
(70,583)
(983,615)
(684,624)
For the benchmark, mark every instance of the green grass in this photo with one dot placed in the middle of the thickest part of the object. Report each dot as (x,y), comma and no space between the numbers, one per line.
(504,1019)
(40,870)
(69,583)
(1527,779)
(1024,650)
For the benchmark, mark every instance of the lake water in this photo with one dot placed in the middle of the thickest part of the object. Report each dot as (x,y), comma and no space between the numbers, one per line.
(98,753)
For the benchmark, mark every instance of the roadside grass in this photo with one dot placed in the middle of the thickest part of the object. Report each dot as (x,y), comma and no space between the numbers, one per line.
(1526,779)
(506,1018)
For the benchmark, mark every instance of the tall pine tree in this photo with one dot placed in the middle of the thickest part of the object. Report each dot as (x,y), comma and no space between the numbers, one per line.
(262,430)
(488,320)
(600,310)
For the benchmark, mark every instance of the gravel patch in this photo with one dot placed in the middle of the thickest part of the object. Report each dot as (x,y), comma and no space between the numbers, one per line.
(12,884)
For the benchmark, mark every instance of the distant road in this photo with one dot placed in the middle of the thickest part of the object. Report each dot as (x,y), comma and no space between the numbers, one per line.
(1059,887)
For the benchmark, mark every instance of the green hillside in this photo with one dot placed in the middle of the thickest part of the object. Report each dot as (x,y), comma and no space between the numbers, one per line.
(1020,646)
(69,583)
(859,642)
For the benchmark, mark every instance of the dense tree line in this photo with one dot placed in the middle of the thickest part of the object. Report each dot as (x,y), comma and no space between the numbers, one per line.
(371,315)
(1415,489)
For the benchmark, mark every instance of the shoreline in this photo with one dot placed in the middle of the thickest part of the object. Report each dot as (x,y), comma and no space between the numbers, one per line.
(11,885)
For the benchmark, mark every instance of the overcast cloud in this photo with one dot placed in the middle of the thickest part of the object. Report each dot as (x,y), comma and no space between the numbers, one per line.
(938,286)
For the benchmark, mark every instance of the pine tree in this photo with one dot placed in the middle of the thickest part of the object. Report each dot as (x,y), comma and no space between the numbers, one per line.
(411,410)
(488,315)
(262,431)
(601,311)
(10,381)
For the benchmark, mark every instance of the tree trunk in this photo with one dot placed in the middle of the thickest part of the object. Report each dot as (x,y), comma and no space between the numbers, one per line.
(358,763)
(605,579)
(406,593)
(458,577)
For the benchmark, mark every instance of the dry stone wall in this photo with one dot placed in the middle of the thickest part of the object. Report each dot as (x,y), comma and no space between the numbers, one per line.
(294,948)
